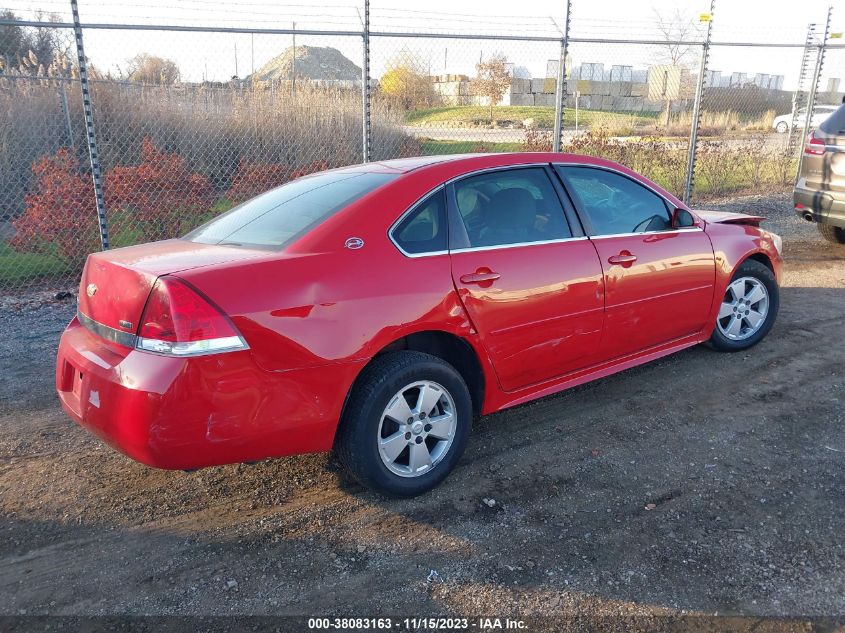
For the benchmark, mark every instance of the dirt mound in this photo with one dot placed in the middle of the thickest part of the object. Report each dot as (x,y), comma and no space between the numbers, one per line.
(318,63)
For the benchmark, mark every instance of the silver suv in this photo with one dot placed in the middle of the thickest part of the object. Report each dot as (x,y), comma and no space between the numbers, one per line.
(819,194)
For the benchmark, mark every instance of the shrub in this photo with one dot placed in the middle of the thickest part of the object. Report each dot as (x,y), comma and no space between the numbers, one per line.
(252,179)
(164,196)
(537,141)
(61,215)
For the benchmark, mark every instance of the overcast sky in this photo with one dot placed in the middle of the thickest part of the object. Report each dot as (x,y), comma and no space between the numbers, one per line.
(217,56)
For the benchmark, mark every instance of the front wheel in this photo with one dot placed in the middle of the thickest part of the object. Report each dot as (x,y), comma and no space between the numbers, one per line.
(406,423)
(748,309)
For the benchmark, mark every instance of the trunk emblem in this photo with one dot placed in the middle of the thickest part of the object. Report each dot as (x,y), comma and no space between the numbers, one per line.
(125,324)
(91,290)
(354,243)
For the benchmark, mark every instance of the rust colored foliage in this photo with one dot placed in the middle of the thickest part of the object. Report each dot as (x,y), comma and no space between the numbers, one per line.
(310,168)
(61,215)
(252,179)
(164,197)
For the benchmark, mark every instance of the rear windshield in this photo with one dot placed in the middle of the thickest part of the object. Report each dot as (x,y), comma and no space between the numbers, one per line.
(835,123)
(276,218)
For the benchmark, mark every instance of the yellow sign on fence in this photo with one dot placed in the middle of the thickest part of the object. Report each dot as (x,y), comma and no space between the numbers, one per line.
(705,17)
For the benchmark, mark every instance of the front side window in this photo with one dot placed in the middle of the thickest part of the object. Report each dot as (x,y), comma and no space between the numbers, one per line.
(514,206)
(614,203)
(424,229)
(276,218)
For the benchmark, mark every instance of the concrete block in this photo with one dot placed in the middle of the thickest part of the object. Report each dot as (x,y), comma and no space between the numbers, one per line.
(520,86)
(522,99)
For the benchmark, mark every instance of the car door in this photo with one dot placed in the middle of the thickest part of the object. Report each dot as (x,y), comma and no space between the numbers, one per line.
(659,279)
(532,285)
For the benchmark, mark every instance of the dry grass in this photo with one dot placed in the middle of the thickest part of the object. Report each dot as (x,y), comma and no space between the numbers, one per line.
(213,128)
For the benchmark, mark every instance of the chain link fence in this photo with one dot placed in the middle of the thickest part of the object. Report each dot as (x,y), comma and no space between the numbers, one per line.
(189,119)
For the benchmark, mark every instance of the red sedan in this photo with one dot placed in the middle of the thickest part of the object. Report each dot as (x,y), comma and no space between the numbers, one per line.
(376,309)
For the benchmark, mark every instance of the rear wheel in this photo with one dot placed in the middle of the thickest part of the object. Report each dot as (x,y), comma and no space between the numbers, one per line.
(406,423)
(832,233)
(748,309)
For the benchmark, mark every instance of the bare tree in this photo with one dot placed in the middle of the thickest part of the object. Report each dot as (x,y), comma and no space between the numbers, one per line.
(492,79)
(150,69)
(675,30)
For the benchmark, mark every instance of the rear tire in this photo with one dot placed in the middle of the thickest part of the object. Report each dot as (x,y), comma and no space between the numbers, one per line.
(832,233)
(748,310)
(405,425)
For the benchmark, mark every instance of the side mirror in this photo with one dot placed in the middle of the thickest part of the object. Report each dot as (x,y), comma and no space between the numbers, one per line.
(682,218)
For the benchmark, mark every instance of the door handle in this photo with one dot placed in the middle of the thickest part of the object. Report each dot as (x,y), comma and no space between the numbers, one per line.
(479,277)
(623,259)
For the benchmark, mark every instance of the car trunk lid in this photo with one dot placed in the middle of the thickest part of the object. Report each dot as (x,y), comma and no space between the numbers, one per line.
(115,284)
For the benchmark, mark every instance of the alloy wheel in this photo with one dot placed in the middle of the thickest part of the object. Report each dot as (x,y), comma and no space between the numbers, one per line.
(417,428)
(744,309)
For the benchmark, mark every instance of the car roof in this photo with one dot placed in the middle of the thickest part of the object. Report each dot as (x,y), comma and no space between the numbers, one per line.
(471,161)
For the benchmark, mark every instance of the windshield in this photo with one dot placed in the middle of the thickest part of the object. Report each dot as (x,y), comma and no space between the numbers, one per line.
(275,218)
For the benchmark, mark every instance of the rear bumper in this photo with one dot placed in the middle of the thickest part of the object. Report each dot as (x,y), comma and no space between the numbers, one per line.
(185,413)
(824,206)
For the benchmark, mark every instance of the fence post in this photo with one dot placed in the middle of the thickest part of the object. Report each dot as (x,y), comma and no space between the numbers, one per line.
(365,87)
(560,89)
(811,98)
(90,134)
(692,151)
(796,96)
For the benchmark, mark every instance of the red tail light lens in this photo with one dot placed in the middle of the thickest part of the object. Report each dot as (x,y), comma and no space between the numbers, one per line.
(815,146)
(179,321)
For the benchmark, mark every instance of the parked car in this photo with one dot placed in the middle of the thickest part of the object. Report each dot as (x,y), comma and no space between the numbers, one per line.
(819,193)
(376,309)
(820,113)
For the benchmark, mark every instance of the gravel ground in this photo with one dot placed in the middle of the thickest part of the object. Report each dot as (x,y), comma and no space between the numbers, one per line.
(700,483)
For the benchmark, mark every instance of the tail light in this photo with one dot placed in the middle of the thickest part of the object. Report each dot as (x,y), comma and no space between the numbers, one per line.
(179,321)
(815,146)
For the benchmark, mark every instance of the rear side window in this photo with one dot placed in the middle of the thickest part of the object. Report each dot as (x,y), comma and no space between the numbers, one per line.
(514,206)
(424,229)
(614,203)
(835,123)
(276,218)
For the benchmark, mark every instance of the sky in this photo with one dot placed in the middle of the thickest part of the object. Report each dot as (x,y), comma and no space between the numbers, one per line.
(219,56)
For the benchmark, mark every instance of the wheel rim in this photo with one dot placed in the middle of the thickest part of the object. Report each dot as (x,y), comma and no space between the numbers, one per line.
(417,429)
(744,309)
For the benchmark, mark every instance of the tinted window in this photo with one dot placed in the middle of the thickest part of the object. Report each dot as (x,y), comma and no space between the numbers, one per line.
(424,229)
(835,123)
(277,217)
(510,207)
(615,204)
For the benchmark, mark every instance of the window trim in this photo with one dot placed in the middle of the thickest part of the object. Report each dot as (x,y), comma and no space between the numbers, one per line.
(456,217)
(587,222)
(422,199)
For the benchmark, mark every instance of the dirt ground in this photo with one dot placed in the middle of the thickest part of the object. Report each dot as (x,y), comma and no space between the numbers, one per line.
(743,457)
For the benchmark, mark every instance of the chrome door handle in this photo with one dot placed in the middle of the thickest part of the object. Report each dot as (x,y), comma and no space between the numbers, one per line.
(623,259)
(479,278)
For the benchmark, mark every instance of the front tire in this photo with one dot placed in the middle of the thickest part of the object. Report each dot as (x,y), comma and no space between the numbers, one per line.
(832,233)
(748,310)
(405,425)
